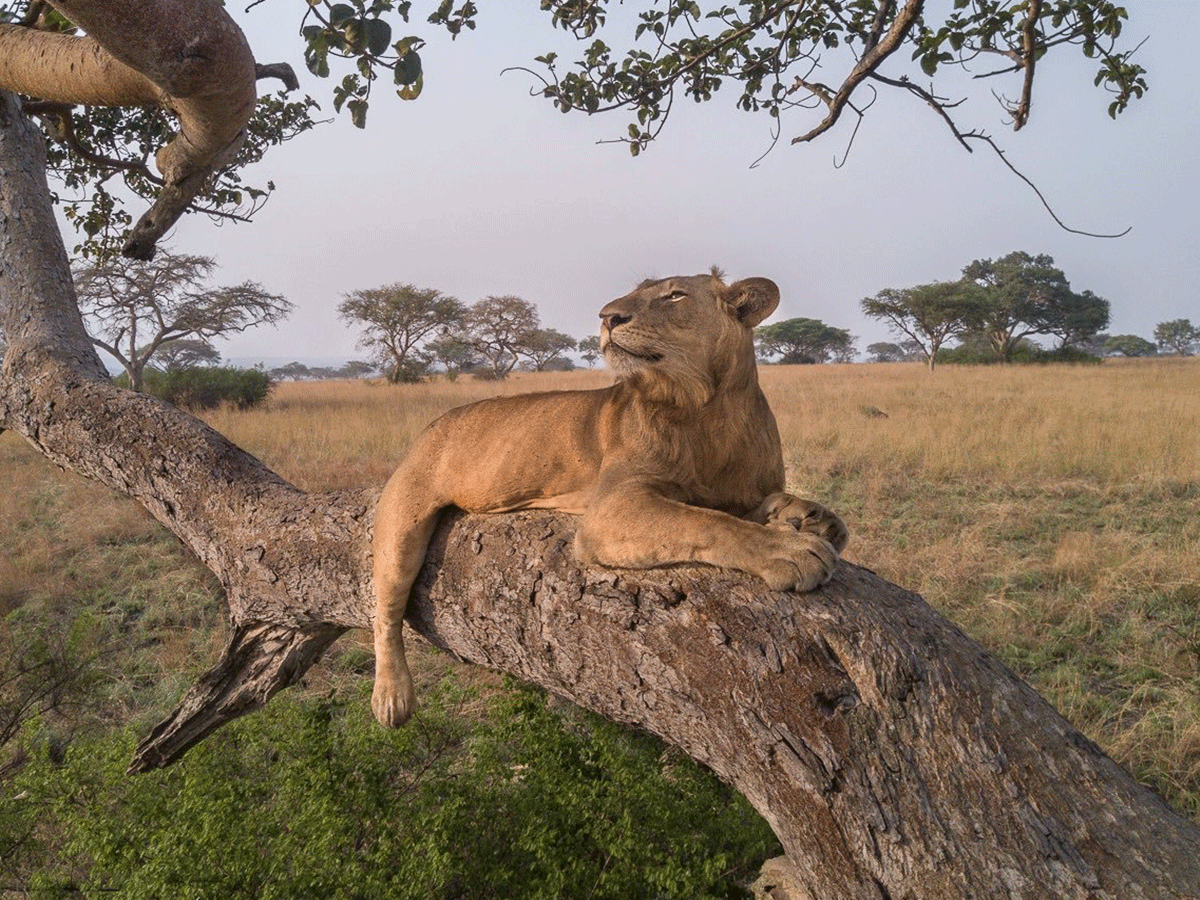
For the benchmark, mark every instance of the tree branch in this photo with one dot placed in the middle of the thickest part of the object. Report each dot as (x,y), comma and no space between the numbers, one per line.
(1033,187)
(187,55)
(905,19)
(1029,51)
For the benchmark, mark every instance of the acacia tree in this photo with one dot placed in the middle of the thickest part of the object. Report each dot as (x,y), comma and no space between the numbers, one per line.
(543,346)
(1179,336)
(589,349)
(398,319)
(803,340)
(927,314)
(1129,345)
(453,354)
(187,353)
(885,351)
(892,755)
(499,330)
(1022,295)
(141,306)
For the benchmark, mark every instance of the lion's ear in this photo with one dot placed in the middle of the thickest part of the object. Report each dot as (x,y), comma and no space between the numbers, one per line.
(752,299)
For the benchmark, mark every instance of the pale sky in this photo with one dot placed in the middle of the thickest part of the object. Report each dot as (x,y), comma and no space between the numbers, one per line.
(476,188)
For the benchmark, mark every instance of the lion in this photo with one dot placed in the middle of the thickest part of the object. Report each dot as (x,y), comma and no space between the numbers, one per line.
(679,461)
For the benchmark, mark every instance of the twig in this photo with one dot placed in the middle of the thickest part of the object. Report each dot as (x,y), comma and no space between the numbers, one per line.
(869,62)
(282,71)
(1000,153)
(1028,57)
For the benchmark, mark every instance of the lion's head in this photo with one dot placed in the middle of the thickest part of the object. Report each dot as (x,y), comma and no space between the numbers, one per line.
(686,336)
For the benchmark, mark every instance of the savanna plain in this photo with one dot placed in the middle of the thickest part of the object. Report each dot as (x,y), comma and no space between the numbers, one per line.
(1053,512)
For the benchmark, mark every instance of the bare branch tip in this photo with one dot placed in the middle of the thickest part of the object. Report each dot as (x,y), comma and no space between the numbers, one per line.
(283,71)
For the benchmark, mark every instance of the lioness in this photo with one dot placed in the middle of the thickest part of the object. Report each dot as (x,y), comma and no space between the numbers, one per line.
(679,461)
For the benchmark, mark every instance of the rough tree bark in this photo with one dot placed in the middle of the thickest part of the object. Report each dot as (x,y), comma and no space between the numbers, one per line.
(892,756)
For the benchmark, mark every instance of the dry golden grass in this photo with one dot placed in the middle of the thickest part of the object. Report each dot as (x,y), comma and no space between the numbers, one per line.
(1054,512)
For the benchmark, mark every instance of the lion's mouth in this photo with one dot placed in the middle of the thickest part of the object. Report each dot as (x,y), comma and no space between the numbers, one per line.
(625,351)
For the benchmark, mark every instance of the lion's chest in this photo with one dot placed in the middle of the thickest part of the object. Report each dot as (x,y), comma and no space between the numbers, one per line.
(730,468)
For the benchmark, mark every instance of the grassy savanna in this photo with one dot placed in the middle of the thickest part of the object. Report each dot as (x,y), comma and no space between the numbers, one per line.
(1053,512)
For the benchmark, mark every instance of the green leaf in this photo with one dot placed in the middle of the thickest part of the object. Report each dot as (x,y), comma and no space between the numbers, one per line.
(339,13)
(408,68)
(412,91)
(356,35)
(379,36)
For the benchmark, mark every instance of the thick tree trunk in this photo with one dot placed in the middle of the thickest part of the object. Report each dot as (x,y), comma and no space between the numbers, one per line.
(892,756)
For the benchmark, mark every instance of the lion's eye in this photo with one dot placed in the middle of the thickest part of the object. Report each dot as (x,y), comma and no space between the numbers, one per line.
(675,296)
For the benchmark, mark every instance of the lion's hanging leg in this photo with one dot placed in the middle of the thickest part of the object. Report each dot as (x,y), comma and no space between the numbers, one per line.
(786,510)
(403,527)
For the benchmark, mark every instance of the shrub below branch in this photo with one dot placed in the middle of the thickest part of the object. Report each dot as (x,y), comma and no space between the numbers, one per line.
(206,388)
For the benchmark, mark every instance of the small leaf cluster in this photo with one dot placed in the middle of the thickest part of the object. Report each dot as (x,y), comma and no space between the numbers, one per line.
(772,52)
(123,141)
(978,29)
(359,31)
(683,50)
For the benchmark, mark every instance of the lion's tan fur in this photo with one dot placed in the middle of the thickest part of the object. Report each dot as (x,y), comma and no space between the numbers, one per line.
(678,461)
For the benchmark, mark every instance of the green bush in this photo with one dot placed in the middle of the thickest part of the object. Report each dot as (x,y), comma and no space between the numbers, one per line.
(309,798)
(1023,355)
(206,388)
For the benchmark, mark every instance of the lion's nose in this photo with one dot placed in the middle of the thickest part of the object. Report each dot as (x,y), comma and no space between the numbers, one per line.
(613,319)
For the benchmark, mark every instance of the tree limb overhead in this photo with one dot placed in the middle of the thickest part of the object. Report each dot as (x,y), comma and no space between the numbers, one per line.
(187,55)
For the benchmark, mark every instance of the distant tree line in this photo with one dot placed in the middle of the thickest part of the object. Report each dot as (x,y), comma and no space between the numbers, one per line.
(410,331)
(160,317)
(298,371)
(996,309)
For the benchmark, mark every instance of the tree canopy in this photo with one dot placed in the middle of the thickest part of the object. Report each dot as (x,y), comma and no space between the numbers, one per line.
(804,340)
(1128,345)
(927,314)
(497,328)
(137,307)
(1179,336)
(783,60)
(398,320)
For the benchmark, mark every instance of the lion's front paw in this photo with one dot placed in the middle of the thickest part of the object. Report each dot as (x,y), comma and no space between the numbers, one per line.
(797,560)
(784,510)
(393,701)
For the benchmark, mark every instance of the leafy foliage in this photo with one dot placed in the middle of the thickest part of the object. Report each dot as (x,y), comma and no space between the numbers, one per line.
(310,799)
(803,340)
(768,52)
(206,388)
(1179,336)
(397,320)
